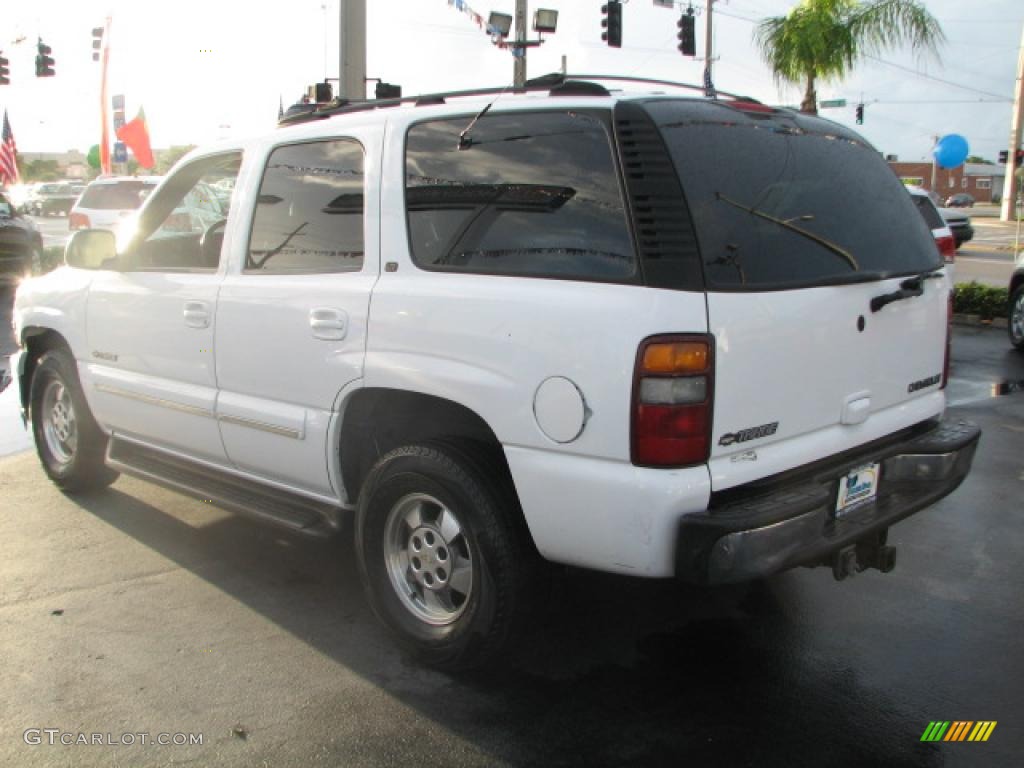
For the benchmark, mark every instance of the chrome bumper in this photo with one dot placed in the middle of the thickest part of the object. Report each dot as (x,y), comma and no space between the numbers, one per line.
(794,523)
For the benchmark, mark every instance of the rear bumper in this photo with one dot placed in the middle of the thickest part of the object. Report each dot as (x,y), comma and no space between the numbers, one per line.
(793,523)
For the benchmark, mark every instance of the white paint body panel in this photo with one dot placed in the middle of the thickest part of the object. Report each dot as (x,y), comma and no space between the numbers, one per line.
(797,358)
(164,365)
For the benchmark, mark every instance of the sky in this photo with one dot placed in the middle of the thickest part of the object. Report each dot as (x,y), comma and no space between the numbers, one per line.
(206,69)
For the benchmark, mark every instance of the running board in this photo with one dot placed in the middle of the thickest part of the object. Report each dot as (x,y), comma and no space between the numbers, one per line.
(281,508)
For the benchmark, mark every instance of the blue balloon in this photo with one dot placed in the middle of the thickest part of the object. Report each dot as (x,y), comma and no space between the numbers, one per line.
(951,151)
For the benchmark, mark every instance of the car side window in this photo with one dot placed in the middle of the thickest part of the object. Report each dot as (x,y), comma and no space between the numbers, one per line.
(182,229)
(533,194)
(309,212)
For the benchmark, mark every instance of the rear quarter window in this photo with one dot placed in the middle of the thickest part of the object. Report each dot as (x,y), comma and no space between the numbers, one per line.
(782,201)
(119,196)
(527,194)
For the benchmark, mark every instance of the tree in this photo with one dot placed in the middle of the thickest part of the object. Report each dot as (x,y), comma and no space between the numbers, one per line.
(825,38)
(168,157)
(979,160)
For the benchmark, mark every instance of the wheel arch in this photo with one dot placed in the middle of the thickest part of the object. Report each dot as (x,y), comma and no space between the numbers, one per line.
(36,340)
(378,420)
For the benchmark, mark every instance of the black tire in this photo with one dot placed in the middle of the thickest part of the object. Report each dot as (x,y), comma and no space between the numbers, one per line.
(1015,318)
(468,630)
(76,462)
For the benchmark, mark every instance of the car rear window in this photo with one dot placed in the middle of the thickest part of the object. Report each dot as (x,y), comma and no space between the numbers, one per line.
(784,201)
(928,211)
(120,196)
(532,194)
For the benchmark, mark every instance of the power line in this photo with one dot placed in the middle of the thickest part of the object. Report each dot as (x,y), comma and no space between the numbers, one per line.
(936,79)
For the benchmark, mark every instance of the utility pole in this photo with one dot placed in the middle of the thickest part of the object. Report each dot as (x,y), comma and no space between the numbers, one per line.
(707,46)
(519,54)
(352,50)
(1011,185)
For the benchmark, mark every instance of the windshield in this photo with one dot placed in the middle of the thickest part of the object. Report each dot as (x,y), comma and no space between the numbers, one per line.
(120,196)
(780,201)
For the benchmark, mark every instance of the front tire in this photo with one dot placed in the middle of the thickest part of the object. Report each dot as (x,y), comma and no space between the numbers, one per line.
(443,555)
(70,444)
(1015,326)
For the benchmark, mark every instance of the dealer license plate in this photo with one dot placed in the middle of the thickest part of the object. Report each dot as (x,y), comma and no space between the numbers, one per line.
(857,488)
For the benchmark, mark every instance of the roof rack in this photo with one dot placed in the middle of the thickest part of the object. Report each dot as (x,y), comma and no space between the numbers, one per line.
(557,83)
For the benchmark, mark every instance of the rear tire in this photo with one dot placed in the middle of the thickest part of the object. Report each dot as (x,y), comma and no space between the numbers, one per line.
(70,444)
(1015,326)
(443,555)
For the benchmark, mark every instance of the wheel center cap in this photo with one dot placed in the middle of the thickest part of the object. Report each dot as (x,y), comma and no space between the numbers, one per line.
(429,557)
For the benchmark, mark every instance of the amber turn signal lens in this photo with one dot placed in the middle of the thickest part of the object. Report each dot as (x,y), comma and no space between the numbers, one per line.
(676,357)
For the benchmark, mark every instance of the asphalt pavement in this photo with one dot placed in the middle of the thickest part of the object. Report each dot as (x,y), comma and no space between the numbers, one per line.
(137,610)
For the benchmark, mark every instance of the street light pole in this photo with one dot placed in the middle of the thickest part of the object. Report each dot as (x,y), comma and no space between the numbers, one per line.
(352,50)
(519,57)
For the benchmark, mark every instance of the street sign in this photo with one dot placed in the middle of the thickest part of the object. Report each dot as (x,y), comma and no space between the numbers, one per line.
(832,103)
(120,153)
(117,102)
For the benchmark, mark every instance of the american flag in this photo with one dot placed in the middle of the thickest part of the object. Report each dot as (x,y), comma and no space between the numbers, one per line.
(8,155)
(709,87)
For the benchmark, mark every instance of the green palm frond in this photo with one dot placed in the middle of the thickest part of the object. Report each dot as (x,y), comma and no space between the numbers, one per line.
(825,38)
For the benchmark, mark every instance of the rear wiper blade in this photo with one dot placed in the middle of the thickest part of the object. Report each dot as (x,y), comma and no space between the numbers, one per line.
(909,288)
(788,224)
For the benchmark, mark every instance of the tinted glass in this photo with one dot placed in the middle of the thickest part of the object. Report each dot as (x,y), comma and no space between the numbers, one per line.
(309,214)
(119,196)
(928,212)
(527,194)
(782,201)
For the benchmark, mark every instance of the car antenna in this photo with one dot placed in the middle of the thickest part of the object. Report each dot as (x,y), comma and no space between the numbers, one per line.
(465,142)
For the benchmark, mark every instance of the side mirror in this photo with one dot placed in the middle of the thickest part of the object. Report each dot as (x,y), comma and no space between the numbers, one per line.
(90,249)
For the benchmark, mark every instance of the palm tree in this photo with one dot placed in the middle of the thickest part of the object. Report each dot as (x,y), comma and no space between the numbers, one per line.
(825,38)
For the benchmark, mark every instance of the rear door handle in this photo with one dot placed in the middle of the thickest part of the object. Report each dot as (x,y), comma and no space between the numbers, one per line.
(328,323)
(197,314)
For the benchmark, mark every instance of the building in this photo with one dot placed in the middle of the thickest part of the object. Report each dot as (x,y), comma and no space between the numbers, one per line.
(981,181)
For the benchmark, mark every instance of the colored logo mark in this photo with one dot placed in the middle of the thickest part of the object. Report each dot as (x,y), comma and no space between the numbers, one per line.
(959,730)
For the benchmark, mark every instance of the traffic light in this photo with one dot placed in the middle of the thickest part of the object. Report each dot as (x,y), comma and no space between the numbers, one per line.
(1003,156)
(687,36)
(860,114)
(44,62)
(5,73)
(388,91)
(1018,158)
(97,42)
(612,23)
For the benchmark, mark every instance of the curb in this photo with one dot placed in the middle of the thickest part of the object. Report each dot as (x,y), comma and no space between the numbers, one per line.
(977,321)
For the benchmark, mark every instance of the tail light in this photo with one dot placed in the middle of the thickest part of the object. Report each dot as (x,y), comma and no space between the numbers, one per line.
(673,388)
(947,247)
(78,221)
(949,341)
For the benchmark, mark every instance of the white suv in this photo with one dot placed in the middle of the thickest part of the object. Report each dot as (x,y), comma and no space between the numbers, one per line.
(641,333)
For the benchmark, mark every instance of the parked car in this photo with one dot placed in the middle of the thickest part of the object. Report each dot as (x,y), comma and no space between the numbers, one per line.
(624,330)
(51,199)
(1015,311)
(107,202)
(959,223)
(960,200)
(21,244)
(945,237)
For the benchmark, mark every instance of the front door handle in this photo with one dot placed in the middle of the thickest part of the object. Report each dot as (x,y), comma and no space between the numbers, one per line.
(197,314)
(328,323)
